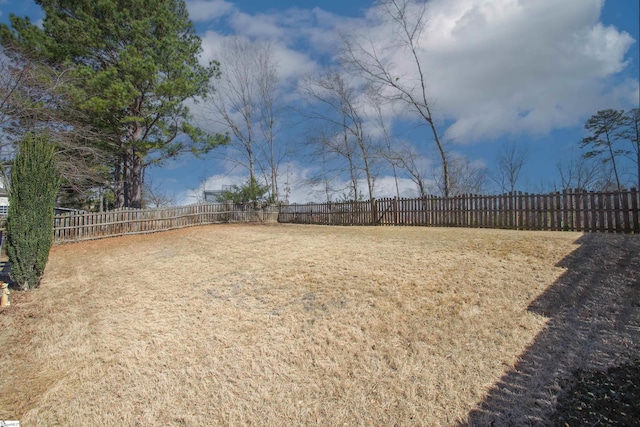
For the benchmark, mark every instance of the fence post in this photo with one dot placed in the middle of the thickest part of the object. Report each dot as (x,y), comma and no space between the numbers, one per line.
(635,202)
(394,210)
(571,209)
(600,208)
(625,212)
(609,210)
(583,210)
(618,224)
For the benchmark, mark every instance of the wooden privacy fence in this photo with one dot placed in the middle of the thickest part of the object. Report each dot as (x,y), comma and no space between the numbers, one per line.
(85,226)
(570,210)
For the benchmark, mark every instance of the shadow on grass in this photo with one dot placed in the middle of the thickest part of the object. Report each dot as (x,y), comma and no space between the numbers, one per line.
(593,334)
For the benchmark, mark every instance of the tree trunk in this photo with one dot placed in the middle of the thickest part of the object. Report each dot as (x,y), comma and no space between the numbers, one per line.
(395,179)
(135,200)
(274,174)
(101,199)
(252,162)
(118,182)
(352,166)
(367,168)
(638,163)
(126,176)
(443,155)
(613,163)
(423,193)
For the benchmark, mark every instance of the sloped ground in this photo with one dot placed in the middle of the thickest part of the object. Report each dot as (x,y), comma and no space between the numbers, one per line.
(292,325)
(593,331)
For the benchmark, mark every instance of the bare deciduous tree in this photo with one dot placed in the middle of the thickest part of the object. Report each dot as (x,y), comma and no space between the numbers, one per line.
(510,161)
(341,109)
(36,96)
(631,132)
(267,79)
(332,160)
(337,154)
(465,177)
(372,61)
(578,172)
(153,196)
(386,149)
(244,101)
(406,157)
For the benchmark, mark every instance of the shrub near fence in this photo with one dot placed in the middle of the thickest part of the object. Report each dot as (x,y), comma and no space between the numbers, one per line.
(85,226)
(571,210)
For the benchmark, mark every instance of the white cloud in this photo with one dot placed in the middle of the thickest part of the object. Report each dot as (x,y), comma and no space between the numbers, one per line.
(497,67)
(297,185)
(215,182)
(291,64)
(304,189)
(205,10)
(211,46)
(494,67)
(257,26)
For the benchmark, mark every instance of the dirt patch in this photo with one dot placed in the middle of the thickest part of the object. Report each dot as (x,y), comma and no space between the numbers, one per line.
(280,325)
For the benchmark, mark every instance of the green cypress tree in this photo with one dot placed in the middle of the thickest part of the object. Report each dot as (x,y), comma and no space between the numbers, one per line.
(32,196)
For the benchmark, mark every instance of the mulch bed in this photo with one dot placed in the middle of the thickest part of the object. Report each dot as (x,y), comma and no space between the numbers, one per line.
(610,398)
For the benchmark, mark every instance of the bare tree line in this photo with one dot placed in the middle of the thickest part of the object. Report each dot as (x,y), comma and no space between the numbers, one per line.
(349,115)
(34,96)
(244,102)
(347,111)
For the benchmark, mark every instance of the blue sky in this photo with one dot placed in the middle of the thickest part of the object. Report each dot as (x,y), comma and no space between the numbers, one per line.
(528,73)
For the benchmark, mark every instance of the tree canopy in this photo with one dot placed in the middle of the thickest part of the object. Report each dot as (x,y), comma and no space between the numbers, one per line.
(135,63)
(251,192)
(604,128)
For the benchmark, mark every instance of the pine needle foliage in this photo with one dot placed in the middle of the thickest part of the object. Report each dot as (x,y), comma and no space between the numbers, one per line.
(250,192)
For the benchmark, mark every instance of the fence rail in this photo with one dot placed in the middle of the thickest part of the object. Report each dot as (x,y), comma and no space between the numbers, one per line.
(84,226)
(570,210)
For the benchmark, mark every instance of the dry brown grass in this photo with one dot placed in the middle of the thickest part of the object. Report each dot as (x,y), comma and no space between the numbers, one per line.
(279,325)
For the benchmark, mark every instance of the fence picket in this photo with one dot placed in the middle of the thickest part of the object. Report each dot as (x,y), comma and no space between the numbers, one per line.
(575,210)
(84,226)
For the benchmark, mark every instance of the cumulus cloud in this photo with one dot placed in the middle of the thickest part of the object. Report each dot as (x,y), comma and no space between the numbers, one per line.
(215,182)
(291,63)
(493,67)
(256,27)
(298,185)
(206,10)
(497,67)
(303,190)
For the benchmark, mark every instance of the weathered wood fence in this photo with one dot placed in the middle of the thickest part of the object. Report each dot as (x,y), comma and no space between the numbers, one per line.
(571,210)
(84,226)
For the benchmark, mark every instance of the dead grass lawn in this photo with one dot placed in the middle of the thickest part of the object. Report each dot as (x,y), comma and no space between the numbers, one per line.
(276,325)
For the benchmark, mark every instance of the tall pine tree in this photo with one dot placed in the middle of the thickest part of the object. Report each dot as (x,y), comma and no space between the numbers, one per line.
(135,63)
(605,127)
